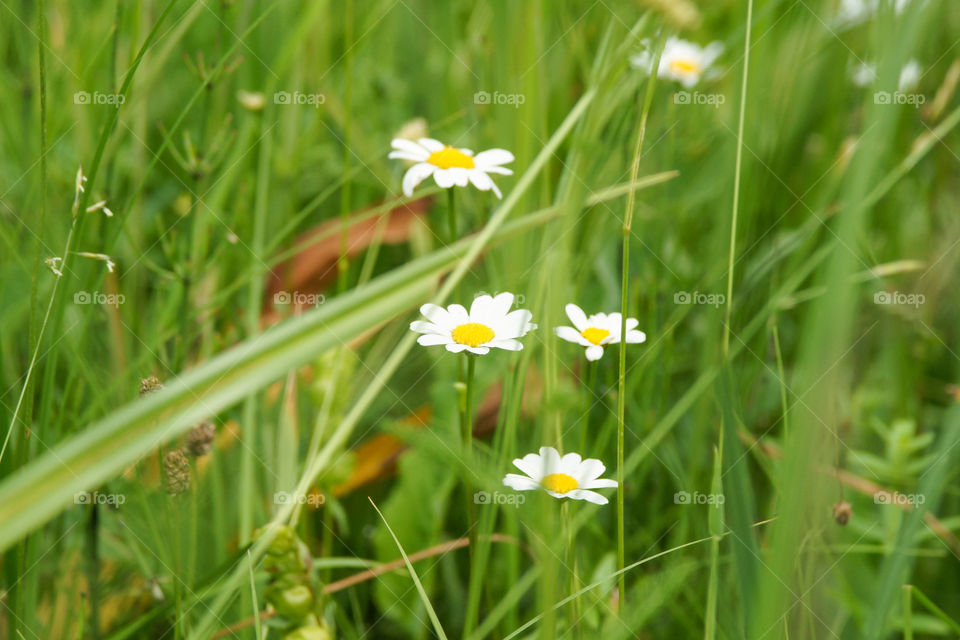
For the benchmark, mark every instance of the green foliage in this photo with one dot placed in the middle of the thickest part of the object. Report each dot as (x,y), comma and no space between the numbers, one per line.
(792,259)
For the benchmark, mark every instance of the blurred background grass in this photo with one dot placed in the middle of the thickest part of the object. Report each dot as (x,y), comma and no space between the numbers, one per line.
(828,393)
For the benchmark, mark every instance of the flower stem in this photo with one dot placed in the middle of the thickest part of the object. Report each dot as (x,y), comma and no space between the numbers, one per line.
(452,214)
(468,408)
(466,436)
(571,560)
(624,298)
(589,383)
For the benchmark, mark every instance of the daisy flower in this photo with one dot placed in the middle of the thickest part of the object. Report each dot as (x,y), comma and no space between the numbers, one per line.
(852,12)
(562,477)
(598,330)
(489,323)
(681,61)
(865,74)
(910,76)
(449,166)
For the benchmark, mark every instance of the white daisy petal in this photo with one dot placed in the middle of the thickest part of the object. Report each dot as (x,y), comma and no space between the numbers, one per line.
(415,175)
(493,157)
(710,53)
(502,303)
(466,152)
(590,470)
(642,61)
(456,347)
(636,337)
(594,352)
(422,326)
(404,155)
(520,483)
(613,322)
(430,144)
(437,315)
(531,464)
(480,351)
(515,324)
(408,146)
(600,483)
(589,496)
(571,335)
(432,339)
(577,316)
(481,180)
(570,464)
(460,176)
(479,307)
(501,170)
(458,314)
(443,177)
(509,345)
(551,460)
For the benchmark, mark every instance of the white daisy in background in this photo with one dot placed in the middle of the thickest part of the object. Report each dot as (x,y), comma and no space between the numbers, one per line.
(682,61)
(597,331)
(449,166)
(566,477)
(489,323)
(853,12)
(865,74)
(910,76)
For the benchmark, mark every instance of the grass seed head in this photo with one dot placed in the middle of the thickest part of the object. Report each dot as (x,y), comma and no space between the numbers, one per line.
(150,384)
(200,439)
(176,468)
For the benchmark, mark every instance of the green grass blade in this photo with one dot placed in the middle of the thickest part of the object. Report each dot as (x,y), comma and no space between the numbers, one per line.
(416,580)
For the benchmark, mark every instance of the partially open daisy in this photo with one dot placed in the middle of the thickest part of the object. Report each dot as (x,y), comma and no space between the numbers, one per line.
(682,61)
(489,323)
(562,477)
(597,331)
(449,166)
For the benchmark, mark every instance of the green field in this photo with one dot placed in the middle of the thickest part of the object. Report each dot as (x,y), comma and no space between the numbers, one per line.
(226,413)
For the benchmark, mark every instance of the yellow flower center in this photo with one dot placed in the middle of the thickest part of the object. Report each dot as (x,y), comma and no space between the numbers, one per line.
(684,66)
(595,335)
(559,483)
(472,334)
(448,157)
